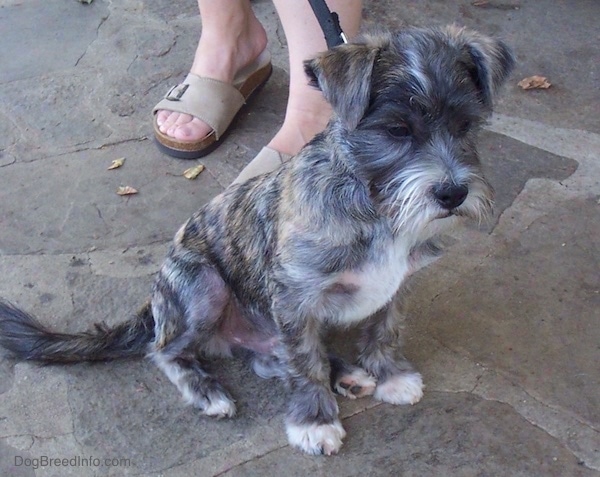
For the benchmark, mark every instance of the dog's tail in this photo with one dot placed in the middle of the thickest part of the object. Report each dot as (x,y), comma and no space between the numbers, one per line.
(27,339)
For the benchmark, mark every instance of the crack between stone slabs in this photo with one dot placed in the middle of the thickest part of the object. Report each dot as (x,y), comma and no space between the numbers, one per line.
(368,408)
(77,148)
(160,55)
(72,418)
(131,63)
(35,437)
(31,438)
(580,461)
(14,161)
(558,409)
(116,143)
(530,206)
(486,370)
(483,369)
(87,251)
(102,20)
(97,148)
(15,127)
(176,465)
(250,460)
(264,454)
(108,228)
(561,412)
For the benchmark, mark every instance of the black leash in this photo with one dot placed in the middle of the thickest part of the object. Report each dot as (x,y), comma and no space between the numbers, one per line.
(330,23)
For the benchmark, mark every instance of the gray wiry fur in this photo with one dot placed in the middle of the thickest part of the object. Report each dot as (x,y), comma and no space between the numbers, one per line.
(327,240)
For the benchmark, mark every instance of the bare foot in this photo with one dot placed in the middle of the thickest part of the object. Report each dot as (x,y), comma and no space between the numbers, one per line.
(307,114)
(303,120)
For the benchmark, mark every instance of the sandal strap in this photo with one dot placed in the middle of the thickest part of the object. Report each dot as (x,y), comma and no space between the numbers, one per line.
(267,160)
(212,101)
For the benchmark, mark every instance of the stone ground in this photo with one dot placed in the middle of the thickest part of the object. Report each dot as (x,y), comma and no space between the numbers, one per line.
(504,328)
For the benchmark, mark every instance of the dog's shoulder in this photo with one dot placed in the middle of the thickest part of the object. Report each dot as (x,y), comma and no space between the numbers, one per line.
(319,188)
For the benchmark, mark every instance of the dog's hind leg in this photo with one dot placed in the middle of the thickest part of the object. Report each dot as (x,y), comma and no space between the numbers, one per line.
(187,304)
(397,381)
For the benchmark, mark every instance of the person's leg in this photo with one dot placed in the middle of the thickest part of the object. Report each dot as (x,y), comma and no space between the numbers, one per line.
(307,112)
(232,37)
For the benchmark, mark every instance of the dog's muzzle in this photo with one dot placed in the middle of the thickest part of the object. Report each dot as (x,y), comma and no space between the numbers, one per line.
(450,196)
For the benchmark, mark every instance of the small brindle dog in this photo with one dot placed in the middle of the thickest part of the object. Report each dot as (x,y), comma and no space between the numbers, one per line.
(326,240)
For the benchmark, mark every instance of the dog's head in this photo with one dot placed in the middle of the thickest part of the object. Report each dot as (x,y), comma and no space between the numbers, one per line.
(408,105)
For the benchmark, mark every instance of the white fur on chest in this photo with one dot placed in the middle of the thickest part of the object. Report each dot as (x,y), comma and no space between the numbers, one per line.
(376,282)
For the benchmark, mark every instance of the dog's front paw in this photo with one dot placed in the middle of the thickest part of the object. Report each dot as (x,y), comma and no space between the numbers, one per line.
(405,388)
(316,438)
(355,384)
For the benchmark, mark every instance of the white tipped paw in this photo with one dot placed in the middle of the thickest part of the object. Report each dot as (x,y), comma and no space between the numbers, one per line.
(406,388)
(316,438)
(214,403)
(219,408)
(356,384)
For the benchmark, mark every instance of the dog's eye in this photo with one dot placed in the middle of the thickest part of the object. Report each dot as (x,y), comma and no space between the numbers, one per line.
(399,131)
(464,126)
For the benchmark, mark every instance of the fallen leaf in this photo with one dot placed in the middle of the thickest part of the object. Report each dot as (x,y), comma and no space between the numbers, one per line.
(117,163)
(193,172)
(126,190)
(534,82)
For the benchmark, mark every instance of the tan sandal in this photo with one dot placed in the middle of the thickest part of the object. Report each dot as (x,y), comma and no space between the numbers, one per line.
(267,160)
(214,102)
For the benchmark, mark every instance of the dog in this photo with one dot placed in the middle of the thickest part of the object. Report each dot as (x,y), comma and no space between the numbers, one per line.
(325,241)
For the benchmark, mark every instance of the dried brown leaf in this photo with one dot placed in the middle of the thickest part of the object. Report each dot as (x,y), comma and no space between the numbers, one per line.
(193,172)
(117,163)
(534,82)
(126,190)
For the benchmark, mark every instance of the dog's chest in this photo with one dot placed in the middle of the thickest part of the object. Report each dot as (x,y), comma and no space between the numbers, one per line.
(375,283)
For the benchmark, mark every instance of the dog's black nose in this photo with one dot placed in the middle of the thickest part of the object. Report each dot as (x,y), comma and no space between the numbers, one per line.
(450,196)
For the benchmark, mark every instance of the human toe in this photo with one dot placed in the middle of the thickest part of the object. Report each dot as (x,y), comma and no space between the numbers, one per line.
(188,128)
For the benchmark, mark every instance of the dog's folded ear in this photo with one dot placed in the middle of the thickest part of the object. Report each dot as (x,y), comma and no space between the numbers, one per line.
(489,61)
(343,74)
